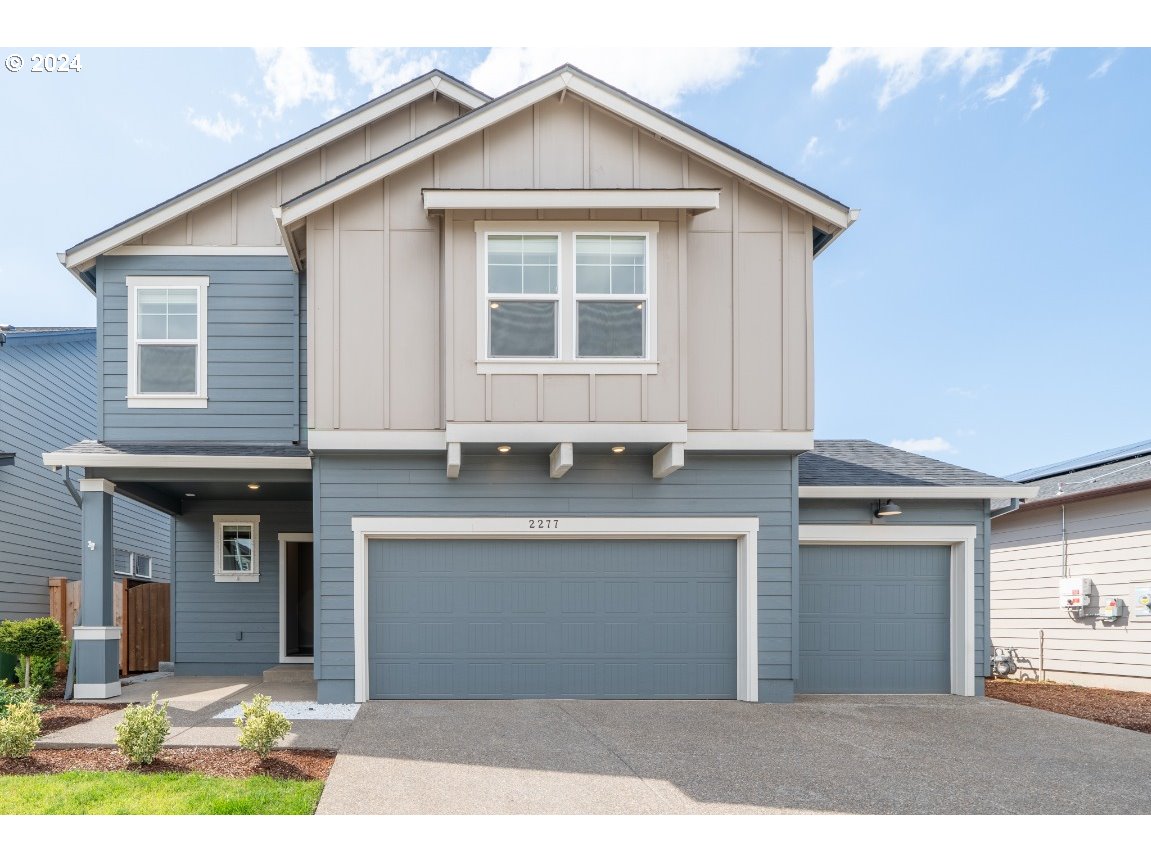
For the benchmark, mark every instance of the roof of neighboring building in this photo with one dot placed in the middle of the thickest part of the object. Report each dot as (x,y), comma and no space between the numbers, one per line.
(1107,476)
(91,447)
(39,331)
(1098,459)
(866,463)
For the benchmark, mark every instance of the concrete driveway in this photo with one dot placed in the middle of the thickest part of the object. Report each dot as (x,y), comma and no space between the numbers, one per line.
(899,754)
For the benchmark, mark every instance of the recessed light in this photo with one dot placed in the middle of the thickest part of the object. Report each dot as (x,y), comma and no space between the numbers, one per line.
(618,449)
(254,486)
(189,494)
(503,448)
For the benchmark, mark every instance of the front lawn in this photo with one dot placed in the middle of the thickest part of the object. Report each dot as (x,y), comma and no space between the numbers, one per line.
(125,793)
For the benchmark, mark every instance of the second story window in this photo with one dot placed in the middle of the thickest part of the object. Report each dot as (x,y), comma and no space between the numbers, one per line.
(167,329)
(567,295)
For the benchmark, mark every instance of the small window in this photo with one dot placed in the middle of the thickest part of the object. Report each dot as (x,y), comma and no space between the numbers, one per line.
(122,562)
(523,294)
(237,547)
(141,566)
(166,362)
(131,564)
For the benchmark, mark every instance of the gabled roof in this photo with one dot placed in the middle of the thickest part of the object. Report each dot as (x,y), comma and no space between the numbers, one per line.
(1113,471)
(81,256)
(1104,457)
(568,78)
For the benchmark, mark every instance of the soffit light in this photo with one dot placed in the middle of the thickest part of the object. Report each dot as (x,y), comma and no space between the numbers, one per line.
(254,486)
(503,448)
(189,494)
(618,448)
(888,509)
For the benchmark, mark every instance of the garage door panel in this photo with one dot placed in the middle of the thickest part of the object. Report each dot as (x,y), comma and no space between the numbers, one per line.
(542,627)
(874,619)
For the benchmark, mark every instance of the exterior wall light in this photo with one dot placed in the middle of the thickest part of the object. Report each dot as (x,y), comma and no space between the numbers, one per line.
(887,509)
(503,448)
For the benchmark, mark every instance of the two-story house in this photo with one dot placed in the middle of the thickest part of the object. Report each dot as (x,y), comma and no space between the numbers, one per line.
(462,397)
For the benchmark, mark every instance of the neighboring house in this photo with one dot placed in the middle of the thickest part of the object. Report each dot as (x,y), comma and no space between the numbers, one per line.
(48,400)
(1091,519)
(459,397)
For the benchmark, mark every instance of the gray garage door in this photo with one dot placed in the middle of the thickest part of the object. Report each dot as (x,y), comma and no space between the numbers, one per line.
(551,619)
(874,619)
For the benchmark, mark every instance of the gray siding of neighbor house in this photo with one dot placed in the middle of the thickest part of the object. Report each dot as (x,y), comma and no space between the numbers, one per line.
(254,363)
(210,614)
(347,486)
(954,512)
(48,401)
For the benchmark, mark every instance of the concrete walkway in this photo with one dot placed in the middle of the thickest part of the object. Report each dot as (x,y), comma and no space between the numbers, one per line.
(192,704)
(909,754)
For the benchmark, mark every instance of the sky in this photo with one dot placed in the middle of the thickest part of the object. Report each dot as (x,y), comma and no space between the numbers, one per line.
(989,307)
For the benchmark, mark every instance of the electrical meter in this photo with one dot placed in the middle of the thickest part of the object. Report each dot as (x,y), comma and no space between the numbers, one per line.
(1141,601)
(1111,611)
(1075,594)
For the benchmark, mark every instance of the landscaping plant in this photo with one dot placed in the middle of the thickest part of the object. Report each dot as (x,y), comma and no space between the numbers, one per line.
(143,731)
(11,695)
(19,728)
(260,726)
(37,637)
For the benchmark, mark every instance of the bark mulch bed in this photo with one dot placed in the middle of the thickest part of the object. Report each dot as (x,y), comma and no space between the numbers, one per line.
(1111,706)
(215,761)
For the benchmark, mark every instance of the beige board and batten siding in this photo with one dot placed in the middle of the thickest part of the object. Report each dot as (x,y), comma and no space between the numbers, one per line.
(243,217)
(1108,541)
(395,306)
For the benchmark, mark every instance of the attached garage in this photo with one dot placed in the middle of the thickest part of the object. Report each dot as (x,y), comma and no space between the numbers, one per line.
(552,618)
(874,619)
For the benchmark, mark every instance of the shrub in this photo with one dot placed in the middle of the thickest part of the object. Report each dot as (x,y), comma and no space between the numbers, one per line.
(143,731)
(41,671)
(11,695)
(19,728)
(260,726)
(29,639)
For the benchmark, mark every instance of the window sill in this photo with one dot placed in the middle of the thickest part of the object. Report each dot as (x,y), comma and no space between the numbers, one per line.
(167,402)
(237,576)
(567,367)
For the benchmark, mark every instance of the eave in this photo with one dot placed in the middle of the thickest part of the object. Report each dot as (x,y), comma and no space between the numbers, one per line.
(922,492)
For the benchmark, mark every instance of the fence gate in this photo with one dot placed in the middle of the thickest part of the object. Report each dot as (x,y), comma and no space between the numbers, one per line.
(142,611)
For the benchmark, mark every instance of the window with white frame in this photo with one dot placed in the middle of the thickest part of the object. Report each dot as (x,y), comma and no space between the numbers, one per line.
(132,564)
(237,547)
(167,329)
(578,293)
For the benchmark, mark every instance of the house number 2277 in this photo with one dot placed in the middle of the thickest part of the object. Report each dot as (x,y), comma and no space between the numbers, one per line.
(543,523)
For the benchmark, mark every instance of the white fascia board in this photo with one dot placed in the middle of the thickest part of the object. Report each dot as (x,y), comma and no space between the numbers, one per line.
(662,126)
(202,251)
(78,257)
(76,459)
(340,439)
(570,432)
(751,441)
(922,492)
(696,200)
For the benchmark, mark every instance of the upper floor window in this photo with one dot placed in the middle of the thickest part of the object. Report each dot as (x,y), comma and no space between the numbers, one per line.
(579,293)
(167,336)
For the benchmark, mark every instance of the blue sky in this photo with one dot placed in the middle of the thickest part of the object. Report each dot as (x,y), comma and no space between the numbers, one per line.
(988,308)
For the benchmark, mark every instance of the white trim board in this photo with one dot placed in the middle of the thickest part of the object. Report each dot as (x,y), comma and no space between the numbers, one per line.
(925,492)
(81,256)
(201,251)
(569,79)
(283,539)
(695,200)
(238,462)
(744,531)
(96,690)
(961,539)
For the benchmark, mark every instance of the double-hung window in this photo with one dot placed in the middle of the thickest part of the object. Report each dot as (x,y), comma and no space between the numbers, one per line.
(237,547)
(572,295)
(167,340)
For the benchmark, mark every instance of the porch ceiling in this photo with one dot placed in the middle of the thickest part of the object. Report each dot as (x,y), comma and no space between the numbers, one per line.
(169,490)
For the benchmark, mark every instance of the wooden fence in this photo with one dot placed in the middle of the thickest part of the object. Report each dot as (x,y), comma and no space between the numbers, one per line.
(142,612)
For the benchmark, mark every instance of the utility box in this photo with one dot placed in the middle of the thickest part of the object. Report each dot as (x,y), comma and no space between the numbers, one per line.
(1141,601)
(1075,593)
(1111,611)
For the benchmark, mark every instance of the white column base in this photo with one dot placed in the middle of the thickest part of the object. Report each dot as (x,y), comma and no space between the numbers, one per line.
(96,690)
(95,633)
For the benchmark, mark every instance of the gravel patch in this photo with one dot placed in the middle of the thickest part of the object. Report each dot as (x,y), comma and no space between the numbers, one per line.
(206,760)
(1130,710)
(302,710)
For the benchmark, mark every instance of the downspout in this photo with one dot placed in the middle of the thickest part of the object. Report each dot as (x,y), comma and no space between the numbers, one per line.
(1063,536)
(296,336)
(68,484)
(1005,510)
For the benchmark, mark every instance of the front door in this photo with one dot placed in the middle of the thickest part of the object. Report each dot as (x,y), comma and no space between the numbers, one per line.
(297,607)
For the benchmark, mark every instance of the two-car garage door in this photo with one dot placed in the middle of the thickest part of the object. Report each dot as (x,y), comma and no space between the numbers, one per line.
(511,618)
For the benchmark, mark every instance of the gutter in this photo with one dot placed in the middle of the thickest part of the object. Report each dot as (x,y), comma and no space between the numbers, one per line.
(1057,500)
(852,217)
(1006,510)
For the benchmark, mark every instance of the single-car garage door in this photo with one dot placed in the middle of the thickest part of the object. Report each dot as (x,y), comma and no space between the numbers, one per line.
(588,618)
(874,619)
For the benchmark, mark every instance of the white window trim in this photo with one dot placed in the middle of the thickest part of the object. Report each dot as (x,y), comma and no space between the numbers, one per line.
(567,324)
(961,540)
(745,531)
(199,399)
(132,555)
(218,548)
(284,539)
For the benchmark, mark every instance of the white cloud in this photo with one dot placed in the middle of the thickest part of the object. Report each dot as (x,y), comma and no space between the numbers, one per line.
(923,445)
(904,68)
(661,76)
(813,150)
(962,392)
(383,69)
(1104,67)
(291,78)
(1038,98)
(1000,88)
(220,127)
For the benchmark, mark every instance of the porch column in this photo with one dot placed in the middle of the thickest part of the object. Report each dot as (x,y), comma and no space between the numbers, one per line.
(96,641)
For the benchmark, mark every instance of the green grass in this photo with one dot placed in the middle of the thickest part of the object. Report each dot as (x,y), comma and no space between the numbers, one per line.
(114,793)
